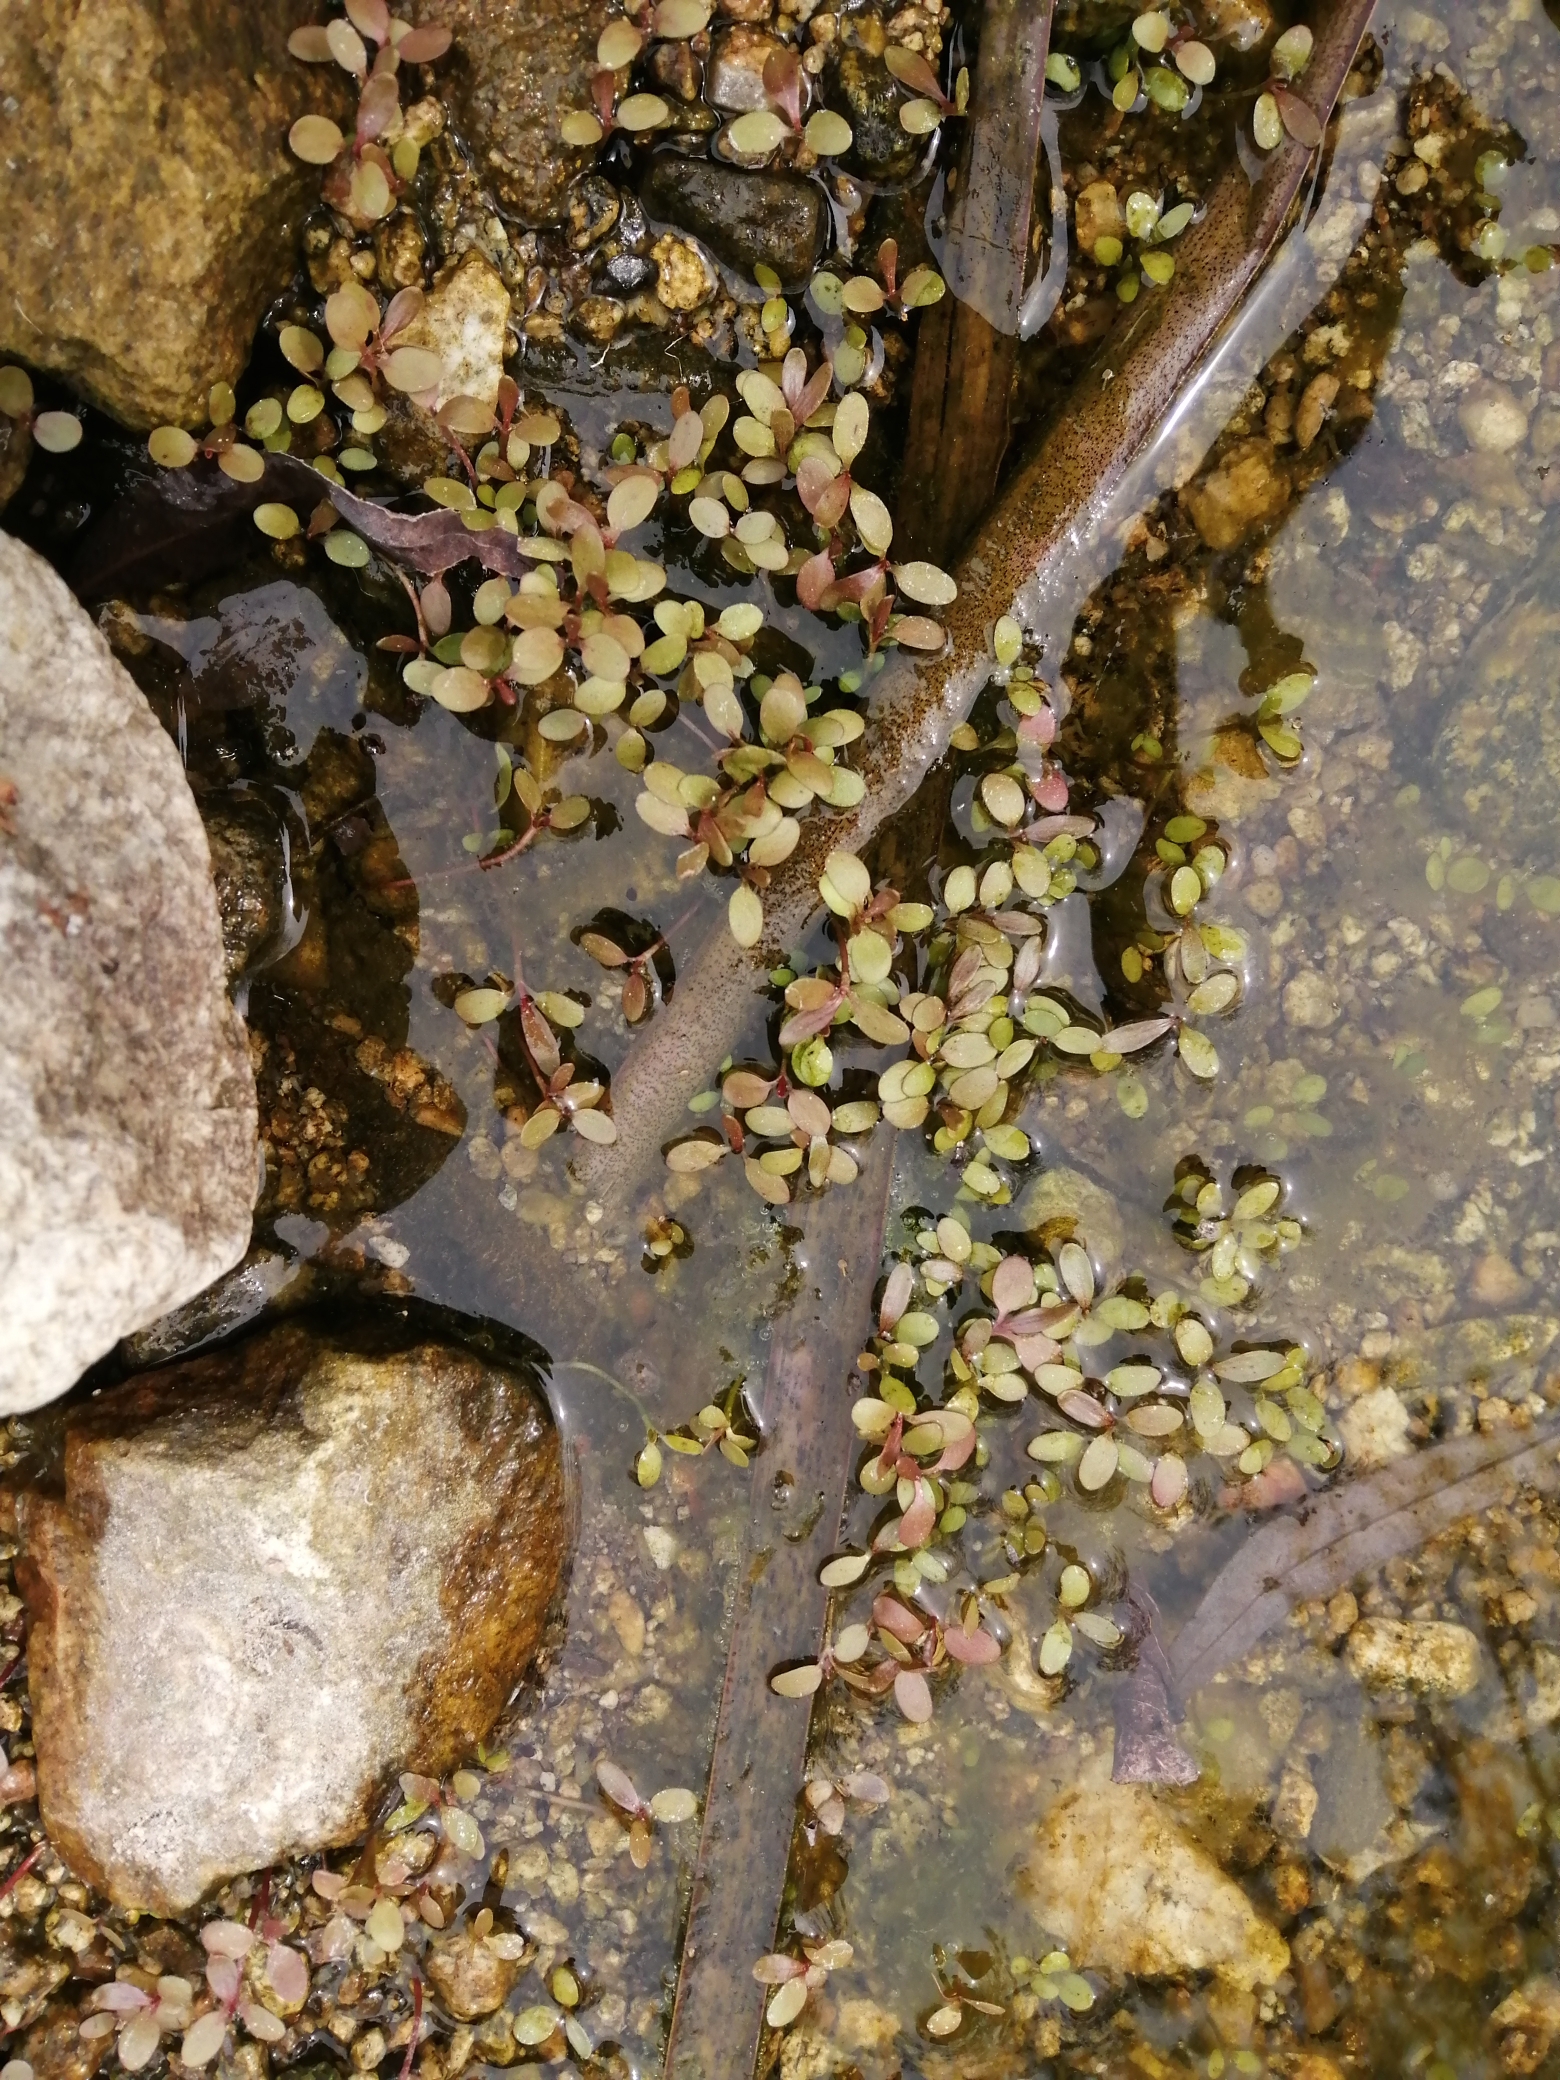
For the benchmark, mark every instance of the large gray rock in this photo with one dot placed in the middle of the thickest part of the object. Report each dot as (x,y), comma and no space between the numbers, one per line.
(128,1148)
(779,220)
(150,196)
(279,1575)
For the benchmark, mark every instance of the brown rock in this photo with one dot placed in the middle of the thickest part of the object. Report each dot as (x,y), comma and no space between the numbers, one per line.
(473,1974)
(512,74)
(1248,489)
(150,195)
(1099,215)
(278,1576)
(1496,1280)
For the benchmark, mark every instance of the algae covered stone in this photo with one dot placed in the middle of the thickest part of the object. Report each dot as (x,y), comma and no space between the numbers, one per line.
(279,1575)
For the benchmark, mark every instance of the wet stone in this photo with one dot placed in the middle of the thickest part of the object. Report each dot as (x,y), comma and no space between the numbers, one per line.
(1062,1204)
(151,201)
(1310,1001)
(249,871)
(735,78)
(1498,752)
(474,1974)
(510,76)
(745,219)
(1492,418)
(1124,1888)
(1247,490)
(464,322)
(872,98)
(1440,1660)
(277,1576)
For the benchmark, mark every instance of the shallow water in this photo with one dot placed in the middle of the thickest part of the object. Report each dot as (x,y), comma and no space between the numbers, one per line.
(1390,1063)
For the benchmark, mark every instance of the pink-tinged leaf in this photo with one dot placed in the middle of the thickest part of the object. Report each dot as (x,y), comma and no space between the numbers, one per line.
(813,478)
(896,1296)
(898,1620)
(311,44)
(888,1458)
(913,1696)
(539,1038)
(912,71)
(227,1939)
(423,46)
(1300,119)
(1012,1285)
(972,1648)
(1278,1483)
(120,1998)
(686,441)
(957,1454)
(1085,1410)
(1050,790)
(918,1522)
(378,106)
(399,313)
(1045,827)
(776,1969)
(860,585)
(1036,1350)
(371,18)
(436,607)
(1168,1486)
(329,1884)
(814,579)
(222,1976)
(830,504)
(1039,728)
(1132,1039)
(783,84)
(919,632)
(888,263)
(619,1787)
(806,1025)
(812,395)
(288,1972)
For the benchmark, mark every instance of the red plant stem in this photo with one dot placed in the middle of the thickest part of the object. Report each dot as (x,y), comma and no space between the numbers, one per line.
(411,2047)
(22,1868)
(527,838)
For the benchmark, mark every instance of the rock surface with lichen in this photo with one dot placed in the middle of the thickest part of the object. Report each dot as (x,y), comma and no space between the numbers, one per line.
(151,199)
(513,73)
(277,1576)
(128,1148)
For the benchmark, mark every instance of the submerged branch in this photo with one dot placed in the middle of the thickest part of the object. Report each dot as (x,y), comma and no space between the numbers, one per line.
(1046,521)
(967,343)
(1350,1531)
(761,1740)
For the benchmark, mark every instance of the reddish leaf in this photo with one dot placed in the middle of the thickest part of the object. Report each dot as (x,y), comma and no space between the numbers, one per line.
(896,1296)
(918,1522)
(972,1648)
(913,1696)
(897,1619)
(422,46)
(539,1038)
(814,579)
(1300,119)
